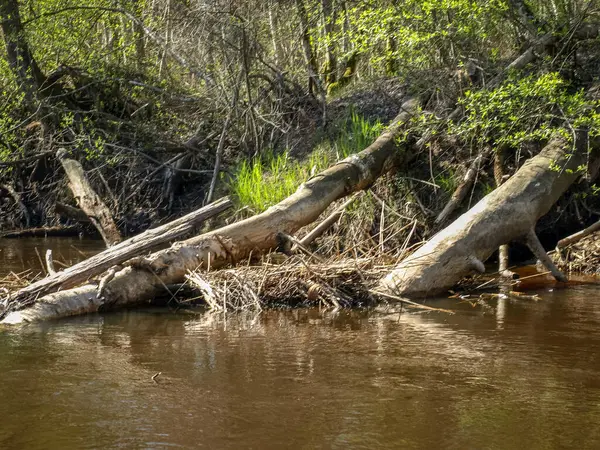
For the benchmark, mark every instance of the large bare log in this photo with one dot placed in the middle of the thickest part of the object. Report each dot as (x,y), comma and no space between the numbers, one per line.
(145,278)
(509,213)
(88,200)
(118,254)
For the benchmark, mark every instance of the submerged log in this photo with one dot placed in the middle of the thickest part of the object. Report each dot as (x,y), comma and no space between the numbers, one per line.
(142,280)
(509,213)
(88,200)
(118,254)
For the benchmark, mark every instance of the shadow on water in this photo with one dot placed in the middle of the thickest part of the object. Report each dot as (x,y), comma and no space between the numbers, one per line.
(516,374)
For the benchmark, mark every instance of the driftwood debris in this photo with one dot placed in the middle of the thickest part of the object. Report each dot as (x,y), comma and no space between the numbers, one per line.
(88,200)
(118,254)
(508,213)
(142,281)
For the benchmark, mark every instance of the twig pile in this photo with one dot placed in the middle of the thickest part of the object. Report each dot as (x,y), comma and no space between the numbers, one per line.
(580,257)
(297,281)
(12,282)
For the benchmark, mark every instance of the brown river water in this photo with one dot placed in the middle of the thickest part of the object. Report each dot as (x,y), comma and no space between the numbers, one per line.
(515,374)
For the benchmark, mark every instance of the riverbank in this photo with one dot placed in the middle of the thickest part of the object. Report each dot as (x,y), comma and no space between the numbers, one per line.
(469,157)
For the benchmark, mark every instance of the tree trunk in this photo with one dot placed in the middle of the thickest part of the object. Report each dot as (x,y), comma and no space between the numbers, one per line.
(509,213)
(314,84)
(221,146)
(141,281)
(277,50)
(503,255)
(70,212)
(329,21)
(89,201)
(21,61)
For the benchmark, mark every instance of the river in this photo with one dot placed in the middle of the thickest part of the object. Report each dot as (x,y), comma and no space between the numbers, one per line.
(513,374)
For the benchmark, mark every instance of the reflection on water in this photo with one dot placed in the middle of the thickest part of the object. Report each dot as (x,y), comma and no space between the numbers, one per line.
(18,255)
(515,375)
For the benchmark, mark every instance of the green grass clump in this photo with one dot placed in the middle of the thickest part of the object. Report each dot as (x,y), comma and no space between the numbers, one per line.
(357,134)
(266,180)
(447,181)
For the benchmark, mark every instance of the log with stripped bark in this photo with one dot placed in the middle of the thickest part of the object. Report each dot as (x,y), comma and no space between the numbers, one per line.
(118,254)
(88,200)
(507,214)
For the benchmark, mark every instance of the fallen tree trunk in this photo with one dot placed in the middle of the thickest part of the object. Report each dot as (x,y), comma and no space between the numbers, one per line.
(70,212)
(508,213)
(581,31)
(137,245)
(143,279)
(327,223)
(574,238)
(88,200)
(58,231)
